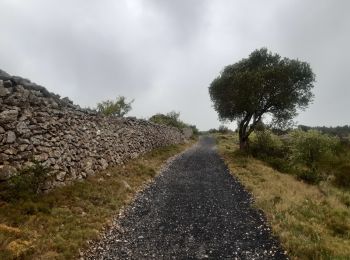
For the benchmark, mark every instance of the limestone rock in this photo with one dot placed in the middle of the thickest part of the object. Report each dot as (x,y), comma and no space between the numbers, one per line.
(4,91)
(6,172)
(41,157)
(22,128)
(60,176)
(188,132)
(11,137)
(104,164)
(8,116)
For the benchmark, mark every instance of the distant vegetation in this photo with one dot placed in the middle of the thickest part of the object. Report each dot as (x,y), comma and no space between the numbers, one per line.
(340,131)
(261,84)
(172,119)
(119,107)
(222,130)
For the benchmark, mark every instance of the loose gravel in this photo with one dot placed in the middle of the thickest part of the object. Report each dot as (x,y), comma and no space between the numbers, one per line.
(195,209)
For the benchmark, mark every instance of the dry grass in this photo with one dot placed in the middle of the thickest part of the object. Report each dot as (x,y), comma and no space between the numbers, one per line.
(58,224)
(312,222)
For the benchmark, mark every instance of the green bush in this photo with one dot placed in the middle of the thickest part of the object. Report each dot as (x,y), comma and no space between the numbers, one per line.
(170,119)
(342,175)
(221,130)
(280,164)
(309,155)
(269,147)
(194,129)
(265,144)
(27,183)
(118,108)
(309,176)
(315,151)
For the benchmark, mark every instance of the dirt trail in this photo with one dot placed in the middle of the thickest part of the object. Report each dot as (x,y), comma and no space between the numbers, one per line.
(194,210)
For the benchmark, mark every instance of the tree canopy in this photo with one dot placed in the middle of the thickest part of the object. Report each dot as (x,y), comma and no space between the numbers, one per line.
(118,108)
(264,83)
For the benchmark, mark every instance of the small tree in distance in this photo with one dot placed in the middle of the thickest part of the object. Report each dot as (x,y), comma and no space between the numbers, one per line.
(118,108)
(171,119)
(264,83)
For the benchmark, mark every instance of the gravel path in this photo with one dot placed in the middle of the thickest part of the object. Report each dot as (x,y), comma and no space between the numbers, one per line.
(195,209)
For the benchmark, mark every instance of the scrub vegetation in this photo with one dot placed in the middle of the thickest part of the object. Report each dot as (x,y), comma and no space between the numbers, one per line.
(172,119)
(301,181)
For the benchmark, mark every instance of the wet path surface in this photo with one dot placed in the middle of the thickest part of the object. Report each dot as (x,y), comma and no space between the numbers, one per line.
(194,210)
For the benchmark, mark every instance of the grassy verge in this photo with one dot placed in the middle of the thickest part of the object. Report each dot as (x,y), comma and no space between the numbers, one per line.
(58,224)
(312,221)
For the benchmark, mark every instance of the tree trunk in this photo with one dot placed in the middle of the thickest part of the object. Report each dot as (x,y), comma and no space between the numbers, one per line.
(243,143)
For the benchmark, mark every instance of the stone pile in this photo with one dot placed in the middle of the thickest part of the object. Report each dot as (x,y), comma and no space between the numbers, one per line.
(36,125)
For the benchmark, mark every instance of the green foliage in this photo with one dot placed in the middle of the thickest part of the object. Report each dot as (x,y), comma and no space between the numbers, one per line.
(270,148)
(309,176)
(170,119)
(313,149)
(194,129)
(173,119)
(27,183)
(222,130)
(342,173)
(262,84)
(265,143)
(340,131)
(118,108)
(311,156)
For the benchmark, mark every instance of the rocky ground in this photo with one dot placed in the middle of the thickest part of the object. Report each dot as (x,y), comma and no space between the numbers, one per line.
(194,210)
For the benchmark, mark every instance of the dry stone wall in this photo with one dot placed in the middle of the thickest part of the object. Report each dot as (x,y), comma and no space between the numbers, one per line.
(36,125)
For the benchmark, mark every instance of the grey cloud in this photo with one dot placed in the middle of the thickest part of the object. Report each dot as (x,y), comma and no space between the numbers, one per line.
(165,53)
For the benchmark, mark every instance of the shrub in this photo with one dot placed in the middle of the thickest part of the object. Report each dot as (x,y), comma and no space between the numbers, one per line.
(27,183)
(309,176)
(270,148)
(266,144)
(313,148)
(170,119)
(313,154)
(342,175)
(194,129)
(223,129)
(118,108)
(280,164)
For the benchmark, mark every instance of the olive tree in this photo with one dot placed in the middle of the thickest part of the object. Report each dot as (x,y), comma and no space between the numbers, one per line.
(264,83)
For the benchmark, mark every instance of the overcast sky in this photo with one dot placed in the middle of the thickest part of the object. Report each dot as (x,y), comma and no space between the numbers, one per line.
(165,53)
